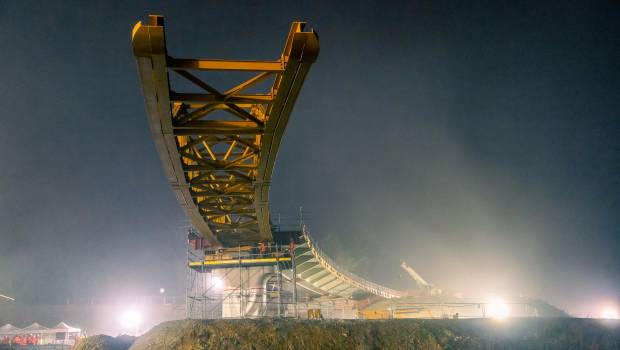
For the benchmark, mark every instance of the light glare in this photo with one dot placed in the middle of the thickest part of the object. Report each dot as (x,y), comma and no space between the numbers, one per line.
(130,319)
(498,309)
(217,282)
(609,313)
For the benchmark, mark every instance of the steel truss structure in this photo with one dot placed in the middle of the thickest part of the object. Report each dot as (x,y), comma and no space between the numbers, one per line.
(218,147)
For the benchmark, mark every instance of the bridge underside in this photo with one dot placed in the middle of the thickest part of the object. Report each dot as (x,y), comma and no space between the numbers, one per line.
(219,146)
(316,269)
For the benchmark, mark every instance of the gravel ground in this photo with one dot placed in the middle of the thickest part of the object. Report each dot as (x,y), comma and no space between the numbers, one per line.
(541,333)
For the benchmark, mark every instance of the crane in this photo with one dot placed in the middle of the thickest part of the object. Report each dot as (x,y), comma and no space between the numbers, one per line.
(421,282)
(6,297)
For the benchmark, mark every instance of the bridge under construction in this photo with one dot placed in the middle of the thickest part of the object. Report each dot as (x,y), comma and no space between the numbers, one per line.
(218,147)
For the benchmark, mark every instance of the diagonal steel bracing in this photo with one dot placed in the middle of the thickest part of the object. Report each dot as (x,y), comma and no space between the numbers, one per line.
(218,146)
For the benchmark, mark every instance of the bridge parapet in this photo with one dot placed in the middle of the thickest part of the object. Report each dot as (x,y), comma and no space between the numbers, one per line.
(318,269)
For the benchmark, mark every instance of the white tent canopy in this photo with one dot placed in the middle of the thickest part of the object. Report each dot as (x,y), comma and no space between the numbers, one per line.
(8,329)
(62,333)
(63,327)
(34,328)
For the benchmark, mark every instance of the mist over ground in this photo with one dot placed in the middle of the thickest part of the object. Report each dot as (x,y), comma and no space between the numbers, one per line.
(478,142)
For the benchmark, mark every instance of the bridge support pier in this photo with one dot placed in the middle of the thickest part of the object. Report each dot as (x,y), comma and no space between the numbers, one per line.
(242,282)
(246,291)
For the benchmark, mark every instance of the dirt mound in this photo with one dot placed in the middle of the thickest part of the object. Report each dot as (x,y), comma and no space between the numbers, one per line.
(104,342)
(288,334)
(533,333)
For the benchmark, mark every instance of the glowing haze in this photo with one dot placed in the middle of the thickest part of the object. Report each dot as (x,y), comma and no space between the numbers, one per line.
(478,142)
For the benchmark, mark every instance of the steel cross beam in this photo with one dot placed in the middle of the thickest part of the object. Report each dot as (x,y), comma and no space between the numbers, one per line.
(218,148)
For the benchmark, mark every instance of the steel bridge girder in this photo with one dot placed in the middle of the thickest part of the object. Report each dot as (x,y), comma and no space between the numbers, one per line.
(184,137)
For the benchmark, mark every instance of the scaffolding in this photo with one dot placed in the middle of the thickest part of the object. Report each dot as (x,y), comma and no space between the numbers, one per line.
(242,282)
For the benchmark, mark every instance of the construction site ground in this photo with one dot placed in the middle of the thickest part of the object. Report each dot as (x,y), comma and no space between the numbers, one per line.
(538,333)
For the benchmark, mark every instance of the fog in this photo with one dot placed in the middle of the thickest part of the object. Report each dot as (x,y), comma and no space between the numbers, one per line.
(479,143)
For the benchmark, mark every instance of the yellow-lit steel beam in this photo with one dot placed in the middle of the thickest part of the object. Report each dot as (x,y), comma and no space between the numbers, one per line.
(220,167)
(247,66)
(234,262)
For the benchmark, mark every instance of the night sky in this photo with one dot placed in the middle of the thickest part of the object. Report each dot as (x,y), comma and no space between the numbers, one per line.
(479,141)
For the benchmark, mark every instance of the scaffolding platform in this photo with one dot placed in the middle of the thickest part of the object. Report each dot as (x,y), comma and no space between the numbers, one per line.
(204,265)
(240,282)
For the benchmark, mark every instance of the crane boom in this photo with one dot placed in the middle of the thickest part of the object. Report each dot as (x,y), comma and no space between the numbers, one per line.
(416,277)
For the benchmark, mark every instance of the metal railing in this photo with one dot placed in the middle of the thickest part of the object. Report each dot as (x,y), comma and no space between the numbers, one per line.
(349,277)
(160,299)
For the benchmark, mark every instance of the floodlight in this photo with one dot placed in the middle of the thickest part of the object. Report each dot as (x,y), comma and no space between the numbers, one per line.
(609,313)
(498,309)
(217,282)
(130,319)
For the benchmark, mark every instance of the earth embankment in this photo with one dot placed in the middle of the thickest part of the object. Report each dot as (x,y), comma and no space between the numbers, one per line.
(540,333)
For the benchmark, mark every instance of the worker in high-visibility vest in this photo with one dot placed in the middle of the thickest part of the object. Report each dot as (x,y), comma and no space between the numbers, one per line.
(18,340)
(32,339)
(291,247)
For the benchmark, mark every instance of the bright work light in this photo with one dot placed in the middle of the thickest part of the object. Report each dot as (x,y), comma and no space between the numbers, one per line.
(130,319)
(498,309)
(609,313)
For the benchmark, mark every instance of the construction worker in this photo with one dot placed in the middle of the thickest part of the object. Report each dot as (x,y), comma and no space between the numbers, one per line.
(32,339)
(291,247)
(18,340)
(263,248)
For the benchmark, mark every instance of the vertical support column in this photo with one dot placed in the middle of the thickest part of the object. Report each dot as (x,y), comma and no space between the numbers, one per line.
(294,265)
(294,283)
(203,290)
(187,284)
(240,285)
(279,276)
